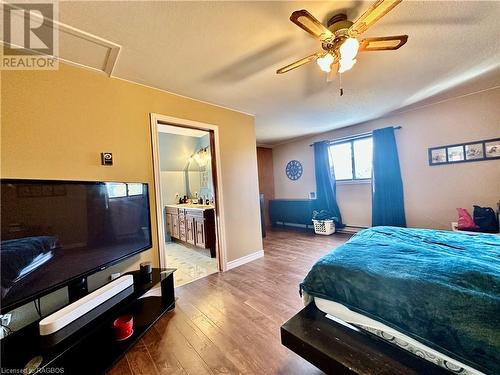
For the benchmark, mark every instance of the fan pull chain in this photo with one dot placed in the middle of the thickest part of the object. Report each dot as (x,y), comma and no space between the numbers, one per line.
(341,90)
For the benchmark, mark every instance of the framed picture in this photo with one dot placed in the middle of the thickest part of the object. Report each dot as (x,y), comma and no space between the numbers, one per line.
(438,156)
(474,151)
(492,149)
(465,152)
(455,153)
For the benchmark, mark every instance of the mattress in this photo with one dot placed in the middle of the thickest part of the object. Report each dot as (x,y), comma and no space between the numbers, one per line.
(343,315)
(440,288)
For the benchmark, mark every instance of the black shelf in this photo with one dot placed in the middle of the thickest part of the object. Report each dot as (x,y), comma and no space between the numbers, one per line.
(337,349)
(93,349)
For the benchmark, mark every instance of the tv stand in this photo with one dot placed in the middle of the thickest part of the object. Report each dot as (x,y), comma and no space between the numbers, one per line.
(93,348)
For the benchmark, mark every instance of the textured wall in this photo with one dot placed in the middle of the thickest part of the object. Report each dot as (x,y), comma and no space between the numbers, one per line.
(431,193)
(175,151)
(56,123)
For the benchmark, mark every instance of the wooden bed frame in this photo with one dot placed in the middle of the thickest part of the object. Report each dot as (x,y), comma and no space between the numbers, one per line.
(337,349)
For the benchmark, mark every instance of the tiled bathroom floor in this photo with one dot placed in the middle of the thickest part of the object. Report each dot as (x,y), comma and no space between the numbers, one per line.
(191,263)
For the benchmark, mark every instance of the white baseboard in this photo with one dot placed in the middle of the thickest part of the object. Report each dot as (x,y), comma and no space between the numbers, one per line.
(246,259)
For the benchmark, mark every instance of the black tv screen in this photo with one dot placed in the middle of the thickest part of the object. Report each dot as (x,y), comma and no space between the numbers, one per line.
(53,232)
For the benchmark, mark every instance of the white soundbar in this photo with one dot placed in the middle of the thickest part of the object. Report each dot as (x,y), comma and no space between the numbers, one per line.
(70,313)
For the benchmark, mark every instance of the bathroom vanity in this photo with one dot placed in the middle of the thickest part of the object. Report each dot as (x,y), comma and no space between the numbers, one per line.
(193,224)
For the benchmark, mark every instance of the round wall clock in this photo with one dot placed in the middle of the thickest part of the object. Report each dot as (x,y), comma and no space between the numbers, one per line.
(293,170)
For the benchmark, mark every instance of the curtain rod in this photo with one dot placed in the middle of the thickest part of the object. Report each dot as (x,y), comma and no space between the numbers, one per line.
(351,137)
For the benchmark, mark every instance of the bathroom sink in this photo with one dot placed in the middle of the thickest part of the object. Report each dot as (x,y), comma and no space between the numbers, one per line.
(193,206)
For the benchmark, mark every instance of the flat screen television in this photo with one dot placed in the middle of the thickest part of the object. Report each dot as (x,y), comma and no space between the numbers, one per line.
(56,232)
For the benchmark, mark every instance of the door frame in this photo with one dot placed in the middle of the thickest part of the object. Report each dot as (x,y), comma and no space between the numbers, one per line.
(221,245)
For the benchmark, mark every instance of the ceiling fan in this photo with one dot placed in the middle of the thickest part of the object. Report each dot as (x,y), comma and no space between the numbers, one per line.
(339,40)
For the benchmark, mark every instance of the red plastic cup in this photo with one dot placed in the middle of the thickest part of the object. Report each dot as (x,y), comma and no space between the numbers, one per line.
(123,326)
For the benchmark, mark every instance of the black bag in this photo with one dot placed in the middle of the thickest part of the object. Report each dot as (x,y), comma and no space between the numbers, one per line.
(486,219)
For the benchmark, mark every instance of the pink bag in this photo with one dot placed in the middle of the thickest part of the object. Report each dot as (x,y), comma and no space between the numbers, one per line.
(465,221)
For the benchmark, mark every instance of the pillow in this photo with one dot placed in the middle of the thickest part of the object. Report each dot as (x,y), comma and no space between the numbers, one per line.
(465,221)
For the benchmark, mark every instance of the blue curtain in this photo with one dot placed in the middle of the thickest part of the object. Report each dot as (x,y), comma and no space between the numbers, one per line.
(387,185)
(326,190)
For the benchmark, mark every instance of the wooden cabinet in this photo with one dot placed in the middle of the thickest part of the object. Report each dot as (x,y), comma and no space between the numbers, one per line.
(182,225)
(190,230)
(194,226)
(168,223)
(172,221)
(175,226)
(199,227)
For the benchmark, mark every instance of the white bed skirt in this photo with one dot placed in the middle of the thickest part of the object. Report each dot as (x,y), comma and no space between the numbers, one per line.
(341,314)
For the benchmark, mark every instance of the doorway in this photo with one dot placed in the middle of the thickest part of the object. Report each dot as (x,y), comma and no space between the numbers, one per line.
(187,198)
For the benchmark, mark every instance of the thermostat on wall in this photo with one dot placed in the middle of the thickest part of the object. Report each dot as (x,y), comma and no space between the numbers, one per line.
(106,158)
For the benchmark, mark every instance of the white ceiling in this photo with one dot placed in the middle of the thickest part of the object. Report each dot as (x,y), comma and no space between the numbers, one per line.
(227,53)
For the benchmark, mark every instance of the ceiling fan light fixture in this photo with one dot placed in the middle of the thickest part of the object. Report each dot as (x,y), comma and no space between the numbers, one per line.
(339,42)
(345,65)
(349,49)
(325,62)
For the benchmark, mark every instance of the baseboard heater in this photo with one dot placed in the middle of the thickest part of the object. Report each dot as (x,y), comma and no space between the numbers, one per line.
(67,315)
(292,212)
(351,229)
(295,225)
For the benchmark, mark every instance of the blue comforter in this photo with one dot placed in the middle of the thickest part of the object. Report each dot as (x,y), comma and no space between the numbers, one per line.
(441,288)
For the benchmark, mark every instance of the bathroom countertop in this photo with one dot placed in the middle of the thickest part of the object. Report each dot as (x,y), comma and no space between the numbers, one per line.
(191,206)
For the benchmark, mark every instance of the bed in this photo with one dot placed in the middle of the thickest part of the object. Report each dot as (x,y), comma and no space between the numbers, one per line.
(433,293)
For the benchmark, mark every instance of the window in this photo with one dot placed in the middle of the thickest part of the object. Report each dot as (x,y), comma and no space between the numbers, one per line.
(120,190)
(352,160)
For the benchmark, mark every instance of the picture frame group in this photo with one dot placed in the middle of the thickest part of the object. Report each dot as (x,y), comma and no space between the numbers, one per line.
(465,152)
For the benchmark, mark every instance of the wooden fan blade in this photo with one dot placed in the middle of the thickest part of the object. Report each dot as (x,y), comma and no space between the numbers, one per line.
(333,72)
(372,15)
(307,22)
(300,62)
(383,43)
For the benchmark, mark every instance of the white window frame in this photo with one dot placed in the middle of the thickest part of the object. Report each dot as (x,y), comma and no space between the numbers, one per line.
(352,180)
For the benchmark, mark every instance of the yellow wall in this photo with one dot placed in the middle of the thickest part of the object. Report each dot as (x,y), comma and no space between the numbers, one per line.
(432,194)
(55,124)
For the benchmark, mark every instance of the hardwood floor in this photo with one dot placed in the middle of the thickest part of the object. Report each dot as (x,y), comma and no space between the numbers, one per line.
(228,323)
